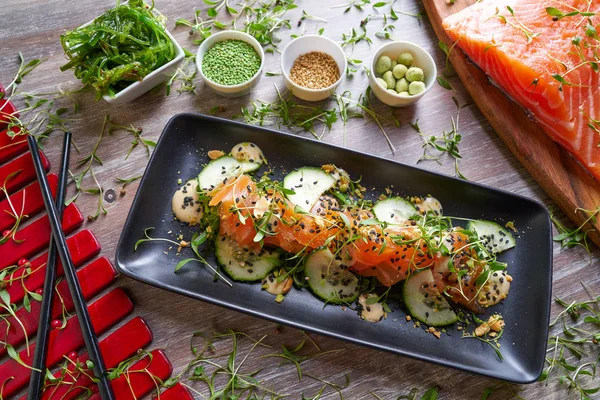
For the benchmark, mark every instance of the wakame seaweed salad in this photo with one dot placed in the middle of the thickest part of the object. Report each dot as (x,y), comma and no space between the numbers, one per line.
(120,47)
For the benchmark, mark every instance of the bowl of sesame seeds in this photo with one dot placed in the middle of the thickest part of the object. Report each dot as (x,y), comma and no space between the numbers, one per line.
(230,62)
(313,66)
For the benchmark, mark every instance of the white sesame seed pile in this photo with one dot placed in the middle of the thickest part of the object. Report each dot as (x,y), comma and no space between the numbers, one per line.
(315,70)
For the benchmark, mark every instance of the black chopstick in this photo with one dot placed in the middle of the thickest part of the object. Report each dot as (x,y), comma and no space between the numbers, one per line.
(38,367)
(87,330)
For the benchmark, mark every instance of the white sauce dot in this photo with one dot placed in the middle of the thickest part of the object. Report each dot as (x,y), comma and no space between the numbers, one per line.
(495,290)
(184,203)
(431,205)
(247,151)
(371,312)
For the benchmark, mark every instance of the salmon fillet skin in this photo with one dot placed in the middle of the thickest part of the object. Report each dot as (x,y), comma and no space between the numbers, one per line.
(545,60)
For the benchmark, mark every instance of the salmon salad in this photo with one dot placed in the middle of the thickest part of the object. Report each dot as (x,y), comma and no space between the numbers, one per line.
(319,229)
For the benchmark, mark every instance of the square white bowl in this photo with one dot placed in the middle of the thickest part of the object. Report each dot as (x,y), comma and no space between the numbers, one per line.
(156,77)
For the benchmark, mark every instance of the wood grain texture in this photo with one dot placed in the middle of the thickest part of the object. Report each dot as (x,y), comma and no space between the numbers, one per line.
(559,174)
(172,317)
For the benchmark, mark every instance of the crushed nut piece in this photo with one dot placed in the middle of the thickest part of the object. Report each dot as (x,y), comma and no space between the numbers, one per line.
(182,244)
(214,154)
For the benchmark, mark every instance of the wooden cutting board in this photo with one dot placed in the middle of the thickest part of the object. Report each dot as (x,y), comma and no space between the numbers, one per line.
(559,174)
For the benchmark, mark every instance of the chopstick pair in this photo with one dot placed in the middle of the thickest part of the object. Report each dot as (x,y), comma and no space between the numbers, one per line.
(58,245)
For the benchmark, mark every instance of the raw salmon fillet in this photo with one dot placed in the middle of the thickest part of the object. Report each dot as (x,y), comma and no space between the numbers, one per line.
(526,52)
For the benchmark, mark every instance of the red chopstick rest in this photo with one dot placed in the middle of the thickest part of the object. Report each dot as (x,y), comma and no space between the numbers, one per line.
(27,201)
(83,245)
(93,278)
(26,172)
(176,392)
(7,111)
(37,237)
(104,313)
(140,382)
(11,145)
(116,347)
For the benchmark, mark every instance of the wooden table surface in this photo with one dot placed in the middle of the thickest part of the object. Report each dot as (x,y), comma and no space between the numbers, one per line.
(33,28)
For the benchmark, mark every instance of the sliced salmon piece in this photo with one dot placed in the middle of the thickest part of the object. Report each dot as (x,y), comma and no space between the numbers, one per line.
(522,52)
(373,253)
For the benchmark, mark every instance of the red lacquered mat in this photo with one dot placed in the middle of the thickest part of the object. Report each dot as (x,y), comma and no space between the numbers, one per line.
(23,267)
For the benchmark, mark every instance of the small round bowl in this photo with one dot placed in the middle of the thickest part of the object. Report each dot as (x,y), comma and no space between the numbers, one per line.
(230,90)
(306,44)
(422,59)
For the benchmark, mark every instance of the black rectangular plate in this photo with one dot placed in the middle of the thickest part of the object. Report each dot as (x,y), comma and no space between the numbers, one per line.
(180,154)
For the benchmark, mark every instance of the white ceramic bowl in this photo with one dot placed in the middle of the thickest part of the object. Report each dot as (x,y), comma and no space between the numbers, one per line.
(151,80)
(230,90)
(306,44)
(422,59)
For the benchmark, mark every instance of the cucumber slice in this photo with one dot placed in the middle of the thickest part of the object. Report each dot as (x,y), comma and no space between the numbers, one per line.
(249,166)
(249,155)
(308,183)
(329,280)
(218,172)
(243,264)
(494,237)
(425,303)
(394,210)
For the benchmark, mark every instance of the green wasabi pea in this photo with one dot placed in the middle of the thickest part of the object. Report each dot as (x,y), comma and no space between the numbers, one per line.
(406,59)
(381,82)
(384,63)
(414,74)
(402,85)
(404,94)
(394,63)
(399,71)
(416,87)
(392,91)
(388,77)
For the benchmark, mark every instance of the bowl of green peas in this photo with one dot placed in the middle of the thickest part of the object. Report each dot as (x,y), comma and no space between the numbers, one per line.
(230,62)
(401,73)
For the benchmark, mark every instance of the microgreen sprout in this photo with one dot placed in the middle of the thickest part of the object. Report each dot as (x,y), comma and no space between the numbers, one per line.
(262,20)
(503,387)
(294,357)
(352,38)
(87,163)
(579,334)
(307,16)
(125,182)
(197,240)
(10,309)
(447,143)
(183,79)
(430,394)
(39,114)
(135,132)
(517,24)
(285,111)
(578,236)
(358,4)
(19,216)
